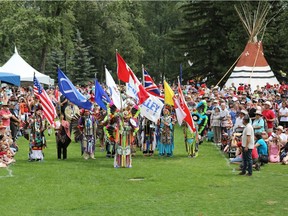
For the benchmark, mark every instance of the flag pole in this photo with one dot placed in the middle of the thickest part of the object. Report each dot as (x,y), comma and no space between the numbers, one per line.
(121,118)
(143,83)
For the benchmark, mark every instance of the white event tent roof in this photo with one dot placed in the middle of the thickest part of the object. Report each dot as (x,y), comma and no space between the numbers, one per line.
(17,65)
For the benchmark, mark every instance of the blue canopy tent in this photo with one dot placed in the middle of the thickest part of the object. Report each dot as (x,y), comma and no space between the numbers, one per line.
(10,78)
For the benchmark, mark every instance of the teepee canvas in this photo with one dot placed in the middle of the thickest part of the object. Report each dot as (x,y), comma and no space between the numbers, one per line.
(252,67)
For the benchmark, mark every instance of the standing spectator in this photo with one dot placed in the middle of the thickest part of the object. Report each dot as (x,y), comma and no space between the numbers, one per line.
(247,146)
(216,125)
(6,115)
(283,114)
(258,123)
(269,115)
(223,117)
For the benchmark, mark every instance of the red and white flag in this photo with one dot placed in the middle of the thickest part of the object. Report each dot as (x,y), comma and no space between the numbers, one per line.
(188,118)
(49,110)
(179,111)
(133,86)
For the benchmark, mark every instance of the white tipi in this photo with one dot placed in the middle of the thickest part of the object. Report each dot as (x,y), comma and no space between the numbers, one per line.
(252,67)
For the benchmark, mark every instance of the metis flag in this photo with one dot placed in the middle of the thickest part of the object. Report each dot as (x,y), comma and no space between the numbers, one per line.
(133,86)
(150,86)
(49,110)
(71,93)
(188,118)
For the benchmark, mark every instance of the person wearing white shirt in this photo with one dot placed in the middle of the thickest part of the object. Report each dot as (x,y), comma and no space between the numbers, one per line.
(283,114)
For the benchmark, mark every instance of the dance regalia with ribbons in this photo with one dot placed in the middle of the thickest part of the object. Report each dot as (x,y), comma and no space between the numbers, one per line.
(191,141)
(166,142)
(37,140)
(127,135)
(111,129)
(148,137)
(100,116)
(87,124)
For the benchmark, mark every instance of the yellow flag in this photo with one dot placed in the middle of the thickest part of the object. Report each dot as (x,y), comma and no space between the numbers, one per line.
(168,97)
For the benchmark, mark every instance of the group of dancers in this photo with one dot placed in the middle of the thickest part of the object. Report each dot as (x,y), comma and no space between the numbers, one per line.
(119,132)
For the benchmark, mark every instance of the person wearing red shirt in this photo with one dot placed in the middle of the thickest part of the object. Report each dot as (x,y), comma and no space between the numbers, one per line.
(6,115)
(269,115)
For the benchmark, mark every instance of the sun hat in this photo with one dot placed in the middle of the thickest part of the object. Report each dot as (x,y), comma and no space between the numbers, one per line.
(244,112)
(280,128)
(267,103)
(258,112)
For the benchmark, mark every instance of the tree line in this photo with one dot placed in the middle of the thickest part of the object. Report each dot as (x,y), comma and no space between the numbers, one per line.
(81,37)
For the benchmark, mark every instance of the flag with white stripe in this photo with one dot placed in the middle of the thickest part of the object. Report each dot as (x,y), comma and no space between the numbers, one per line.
(49,110)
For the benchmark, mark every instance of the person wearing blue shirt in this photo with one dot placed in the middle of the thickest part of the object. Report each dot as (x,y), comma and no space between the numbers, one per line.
(258,123)
(262,149)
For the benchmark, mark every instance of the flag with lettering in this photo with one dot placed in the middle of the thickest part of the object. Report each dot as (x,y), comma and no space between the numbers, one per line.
(152,108)
(49,110)
(71,93)
(133,86)
(188,118)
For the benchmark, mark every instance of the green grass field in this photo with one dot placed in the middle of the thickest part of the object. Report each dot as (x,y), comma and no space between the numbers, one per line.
(206,185)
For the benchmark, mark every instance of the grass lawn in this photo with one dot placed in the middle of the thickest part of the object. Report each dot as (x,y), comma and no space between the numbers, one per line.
(206,185)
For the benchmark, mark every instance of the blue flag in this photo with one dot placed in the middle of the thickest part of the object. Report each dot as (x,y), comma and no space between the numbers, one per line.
(101,97)
(71,93)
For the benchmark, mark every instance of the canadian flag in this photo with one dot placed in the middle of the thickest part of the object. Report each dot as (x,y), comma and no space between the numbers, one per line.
(188,118)
(133,86)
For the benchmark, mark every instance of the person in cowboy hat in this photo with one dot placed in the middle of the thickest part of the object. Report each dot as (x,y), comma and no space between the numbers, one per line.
(258,123)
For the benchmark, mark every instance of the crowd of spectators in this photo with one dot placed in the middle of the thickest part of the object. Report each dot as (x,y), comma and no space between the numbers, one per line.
(266,107)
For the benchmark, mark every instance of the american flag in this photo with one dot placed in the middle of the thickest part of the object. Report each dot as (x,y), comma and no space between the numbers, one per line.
(49,110)
(151,87)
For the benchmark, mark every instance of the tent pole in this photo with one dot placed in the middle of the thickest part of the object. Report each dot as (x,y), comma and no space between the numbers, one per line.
(229,70)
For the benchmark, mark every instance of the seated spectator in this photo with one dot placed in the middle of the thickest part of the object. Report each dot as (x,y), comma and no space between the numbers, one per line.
(284,155)
(281,136)
(274,149)
(262,149)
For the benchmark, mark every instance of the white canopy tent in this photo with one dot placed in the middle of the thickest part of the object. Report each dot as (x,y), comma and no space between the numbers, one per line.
(17,65)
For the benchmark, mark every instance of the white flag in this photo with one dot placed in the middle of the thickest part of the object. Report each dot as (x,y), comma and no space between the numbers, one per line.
(113,89)
(151,108)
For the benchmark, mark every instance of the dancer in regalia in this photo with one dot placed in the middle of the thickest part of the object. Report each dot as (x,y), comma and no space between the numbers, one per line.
(63,137)
(111,129)
(165,145)
(191,141)
(87,124)
(37,138)
(148,137)
(100,116)
(127,133)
